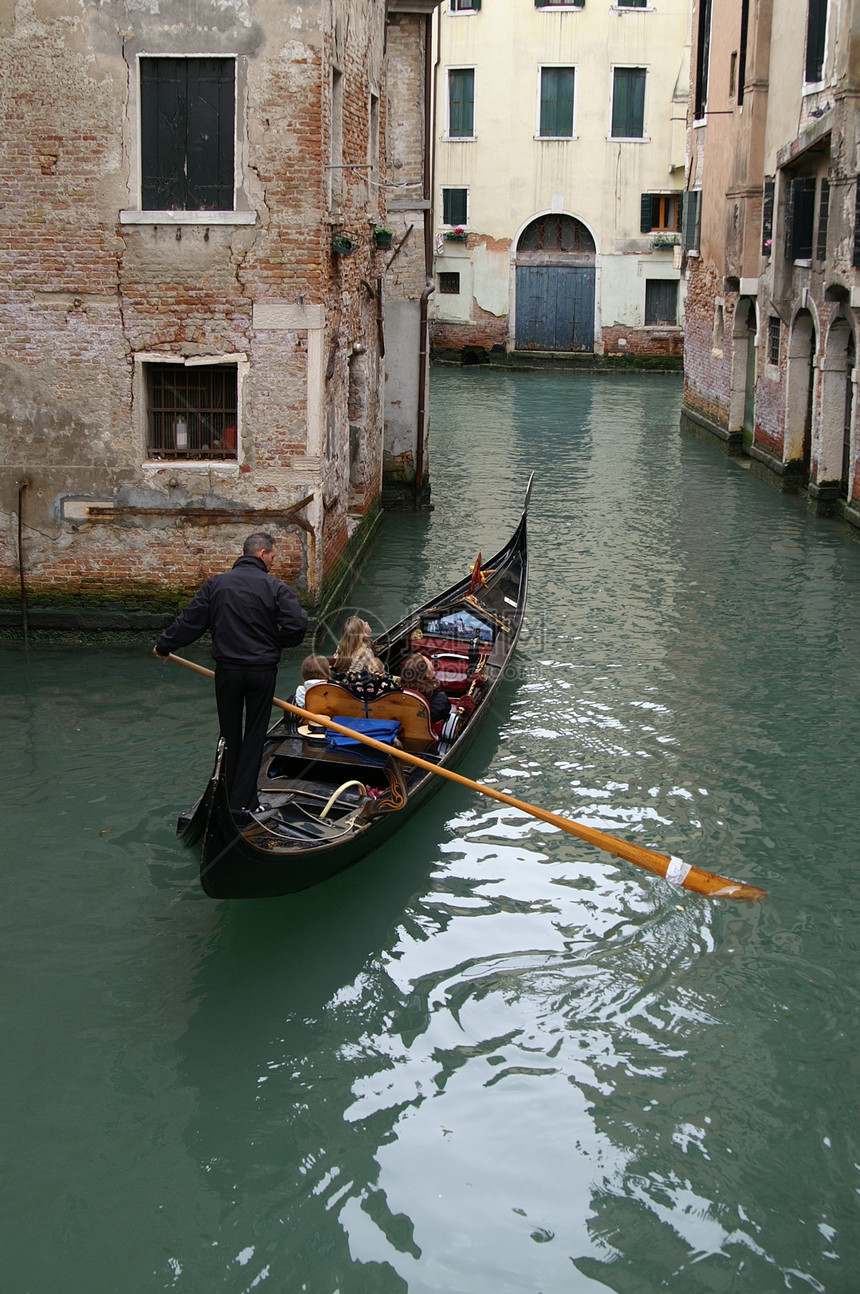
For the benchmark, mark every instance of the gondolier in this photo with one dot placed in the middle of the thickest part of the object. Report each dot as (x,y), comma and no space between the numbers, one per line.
(252,617)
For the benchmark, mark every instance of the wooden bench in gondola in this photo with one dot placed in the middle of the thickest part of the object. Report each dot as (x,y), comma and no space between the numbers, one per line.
(408,709)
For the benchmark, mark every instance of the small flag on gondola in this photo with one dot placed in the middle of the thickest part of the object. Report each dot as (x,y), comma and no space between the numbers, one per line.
(478,577)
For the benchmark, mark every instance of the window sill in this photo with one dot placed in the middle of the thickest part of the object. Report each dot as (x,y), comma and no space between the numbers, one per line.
(628,139)
(802,263)
(459,139)
(227,468)
(771,371)
(555,139)
(187,217)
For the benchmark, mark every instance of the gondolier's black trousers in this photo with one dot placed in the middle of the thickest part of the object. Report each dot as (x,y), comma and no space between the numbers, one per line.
(243,693)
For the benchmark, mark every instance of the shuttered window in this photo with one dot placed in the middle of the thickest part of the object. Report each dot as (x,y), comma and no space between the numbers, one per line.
(461,103)
(556,102)
(799,218)
(767,218)
(816,30)
(661,301)
(857,227)
(628,103)
(661,212)
(455,206)
(559,4)
(823,214)
(187,128)
(703,59)
(692,208)
(465,6)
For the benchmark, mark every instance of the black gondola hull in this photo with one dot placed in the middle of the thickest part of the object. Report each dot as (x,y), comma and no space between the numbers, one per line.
(255,863)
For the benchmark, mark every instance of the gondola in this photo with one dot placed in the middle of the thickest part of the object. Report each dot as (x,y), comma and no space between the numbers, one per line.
(326,802)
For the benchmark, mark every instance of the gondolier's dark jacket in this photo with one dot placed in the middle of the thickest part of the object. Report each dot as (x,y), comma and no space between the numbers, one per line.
(251,615)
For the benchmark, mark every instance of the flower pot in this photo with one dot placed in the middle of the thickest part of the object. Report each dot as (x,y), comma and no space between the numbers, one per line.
(383,237)
(342,246)
(456,237)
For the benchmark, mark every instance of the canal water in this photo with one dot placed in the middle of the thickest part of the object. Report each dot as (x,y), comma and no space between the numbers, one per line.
(489,1059)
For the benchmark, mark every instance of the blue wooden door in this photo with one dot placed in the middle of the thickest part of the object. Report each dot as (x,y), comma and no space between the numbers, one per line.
(555,307)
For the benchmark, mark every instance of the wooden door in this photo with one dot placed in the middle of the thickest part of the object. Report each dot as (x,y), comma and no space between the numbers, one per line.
(555,307)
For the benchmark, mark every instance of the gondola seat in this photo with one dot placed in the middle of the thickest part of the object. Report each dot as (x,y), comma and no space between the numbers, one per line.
(407,708)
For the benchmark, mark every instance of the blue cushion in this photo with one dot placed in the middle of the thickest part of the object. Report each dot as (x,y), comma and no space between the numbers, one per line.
(381,729)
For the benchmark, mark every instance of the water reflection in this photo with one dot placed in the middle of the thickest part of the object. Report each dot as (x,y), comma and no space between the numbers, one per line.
(489,1058)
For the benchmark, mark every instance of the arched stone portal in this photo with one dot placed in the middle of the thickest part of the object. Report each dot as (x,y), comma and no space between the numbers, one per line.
(798,408)
(555,283)
(837,405)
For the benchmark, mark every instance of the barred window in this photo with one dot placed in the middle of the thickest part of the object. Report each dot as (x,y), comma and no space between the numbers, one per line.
(774,331)
(191,411)
(449,283)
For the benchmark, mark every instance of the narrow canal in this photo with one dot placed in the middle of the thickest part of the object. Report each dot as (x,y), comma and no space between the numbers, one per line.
(488,1059)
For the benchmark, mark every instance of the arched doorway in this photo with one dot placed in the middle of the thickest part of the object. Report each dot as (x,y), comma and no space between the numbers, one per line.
(555,278)
(801,389)
(837,402)
(744,357)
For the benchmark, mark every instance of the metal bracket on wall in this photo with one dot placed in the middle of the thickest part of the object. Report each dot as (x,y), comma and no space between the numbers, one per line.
(393,257)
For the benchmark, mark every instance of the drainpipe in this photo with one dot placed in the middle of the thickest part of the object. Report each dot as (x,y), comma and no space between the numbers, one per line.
(423,331)
(22,486)
(430,73)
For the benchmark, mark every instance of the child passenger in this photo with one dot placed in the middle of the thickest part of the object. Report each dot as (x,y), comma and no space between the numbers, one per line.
(418,674)
(315,669)
(355,653)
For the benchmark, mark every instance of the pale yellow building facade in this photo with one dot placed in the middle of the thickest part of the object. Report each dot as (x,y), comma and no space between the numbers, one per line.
(560,150)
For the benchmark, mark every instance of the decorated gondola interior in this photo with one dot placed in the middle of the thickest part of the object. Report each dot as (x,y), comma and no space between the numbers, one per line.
(318,786)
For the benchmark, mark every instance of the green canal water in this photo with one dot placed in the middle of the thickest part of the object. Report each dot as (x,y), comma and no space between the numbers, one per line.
(489,1059)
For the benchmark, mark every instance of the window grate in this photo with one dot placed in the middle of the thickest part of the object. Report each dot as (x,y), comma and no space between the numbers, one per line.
(191,412)
(774,333)
(449,283)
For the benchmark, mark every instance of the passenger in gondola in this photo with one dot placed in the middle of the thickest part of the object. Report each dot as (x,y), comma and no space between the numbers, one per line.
(355,654)
(418,674)
(315,669)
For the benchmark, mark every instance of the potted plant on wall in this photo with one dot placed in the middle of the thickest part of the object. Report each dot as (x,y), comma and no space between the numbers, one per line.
(342,245)
(382,236)
(458,235)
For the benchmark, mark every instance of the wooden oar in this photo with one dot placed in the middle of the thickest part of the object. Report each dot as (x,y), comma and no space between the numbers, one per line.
(676,871)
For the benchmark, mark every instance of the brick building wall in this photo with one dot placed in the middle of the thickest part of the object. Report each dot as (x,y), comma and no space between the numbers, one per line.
(96,292)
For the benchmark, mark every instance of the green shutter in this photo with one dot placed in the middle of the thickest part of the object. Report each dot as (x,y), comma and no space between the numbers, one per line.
(645,221)
(628,103)
(556,102)
(461,103)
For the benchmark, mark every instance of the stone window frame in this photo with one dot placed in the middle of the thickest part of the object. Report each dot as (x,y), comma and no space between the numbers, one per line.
(447,136)
(225,467)
(135,213)
(457,224)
